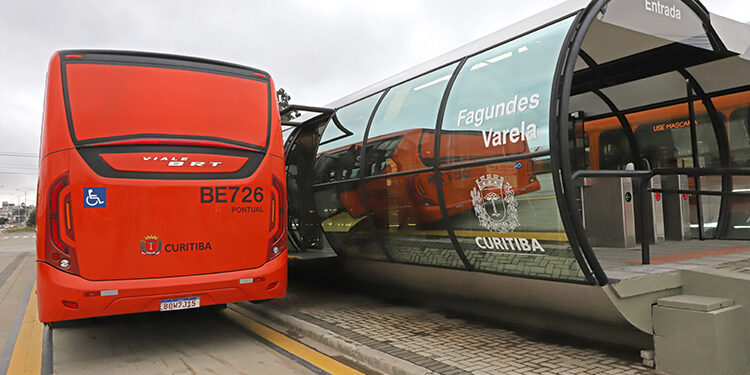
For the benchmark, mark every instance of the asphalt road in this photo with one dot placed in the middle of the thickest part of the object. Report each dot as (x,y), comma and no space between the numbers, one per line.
(183,342)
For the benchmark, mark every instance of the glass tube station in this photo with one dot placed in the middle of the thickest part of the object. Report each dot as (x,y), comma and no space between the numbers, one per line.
(543,166)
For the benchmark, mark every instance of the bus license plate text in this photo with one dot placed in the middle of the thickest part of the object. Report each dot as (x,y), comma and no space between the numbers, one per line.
(180,304)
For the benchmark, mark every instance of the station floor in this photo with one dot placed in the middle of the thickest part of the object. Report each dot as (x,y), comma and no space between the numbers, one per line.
(620,264)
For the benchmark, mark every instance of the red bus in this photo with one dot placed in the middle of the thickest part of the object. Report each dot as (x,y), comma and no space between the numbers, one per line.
(161,185)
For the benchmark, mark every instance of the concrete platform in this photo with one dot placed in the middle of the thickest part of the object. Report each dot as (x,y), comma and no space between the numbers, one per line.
(622,264)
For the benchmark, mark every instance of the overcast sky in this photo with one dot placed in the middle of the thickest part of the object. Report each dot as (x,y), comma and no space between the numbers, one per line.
(318,50)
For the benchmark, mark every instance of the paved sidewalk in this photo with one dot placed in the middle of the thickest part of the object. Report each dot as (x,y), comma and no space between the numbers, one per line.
(444,344)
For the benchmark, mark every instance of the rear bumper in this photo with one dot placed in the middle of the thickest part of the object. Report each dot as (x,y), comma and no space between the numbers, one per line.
(54,287)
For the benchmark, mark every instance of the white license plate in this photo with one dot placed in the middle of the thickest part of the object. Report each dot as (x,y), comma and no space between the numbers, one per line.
(180,303)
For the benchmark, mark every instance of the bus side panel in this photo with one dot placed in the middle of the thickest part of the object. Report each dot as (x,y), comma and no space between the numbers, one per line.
(55,134)
(276,142)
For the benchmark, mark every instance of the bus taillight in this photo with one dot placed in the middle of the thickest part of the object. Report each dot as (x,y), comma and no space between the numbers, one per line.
(69,217)
(58,253)
(277,220)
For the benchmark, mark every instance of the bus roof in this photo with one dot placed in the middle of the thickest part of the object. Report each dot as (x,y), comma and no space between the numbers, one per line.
(188,61)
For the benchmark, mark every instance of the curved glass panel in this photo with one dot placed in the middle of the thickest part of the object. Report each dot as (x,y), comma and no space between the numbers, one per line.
(353,119)
(507,221)
(505,215)
(738,129)
(408,112)
(408,220)
(345,222)
(338,199)
(499,104)
(405,208)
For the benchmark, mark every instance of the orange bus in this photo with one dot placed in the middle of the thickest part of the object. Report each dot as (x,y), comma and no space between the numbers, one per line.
(161,185)
(664,135)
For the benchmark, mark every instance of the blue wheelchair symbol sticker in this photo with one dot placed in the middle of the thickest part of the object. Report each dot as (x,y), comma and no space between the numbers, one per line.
(518,165)
(95,197)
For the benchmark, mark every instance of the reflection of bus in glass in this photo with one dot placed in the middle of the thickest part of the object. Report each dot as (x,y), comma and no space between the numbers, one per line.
(413,150)
(161,186)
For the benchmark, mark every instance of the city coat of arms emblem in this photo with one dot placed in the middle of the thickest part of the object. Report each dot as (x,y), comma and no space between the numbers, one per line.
(150,245)
(495,204)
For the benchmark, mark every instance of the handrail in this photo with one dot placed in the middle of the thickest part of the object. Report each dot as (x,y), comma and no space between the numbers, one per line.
(610,173)
(700,192)
(696,172)
(693,172)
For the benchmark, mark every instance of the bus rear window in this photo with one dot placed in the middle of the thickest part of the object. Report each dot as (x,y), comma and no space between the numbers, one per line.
(119,100)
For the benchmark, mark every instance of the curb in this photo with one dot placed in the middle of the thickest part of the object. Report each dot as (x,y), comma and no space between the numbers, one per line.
(364,354)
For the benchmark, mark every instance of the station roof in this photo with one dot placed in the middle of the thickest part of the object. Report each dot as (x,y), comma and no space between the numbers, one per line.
(734,34)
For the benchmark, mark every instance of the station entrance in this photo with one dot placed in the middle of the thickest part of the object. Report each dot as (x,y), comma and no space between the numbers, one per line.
(658,138)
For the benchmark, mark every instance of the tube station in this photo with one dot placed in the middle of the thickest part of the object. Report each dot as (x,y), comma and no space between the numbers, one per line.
(586,170)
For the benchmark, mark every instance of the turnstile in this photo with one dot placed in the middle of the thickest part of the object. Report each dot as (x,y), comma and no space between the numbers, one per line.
(676,209)
(655,209)
(607,209)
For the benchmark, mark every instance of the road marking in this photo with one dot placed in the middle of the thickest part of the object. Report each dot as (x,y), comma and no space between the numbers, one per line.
(27,352)
(10,340)
(293,347)
(9,237)
(8,270)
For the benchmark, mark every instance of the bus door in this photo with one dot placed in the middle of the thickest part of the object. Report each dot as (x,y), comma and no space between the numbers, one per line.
(300,149)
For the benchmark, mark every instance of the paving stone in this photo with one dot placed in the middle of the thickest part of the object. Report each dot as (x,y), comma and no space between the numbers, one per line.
(447,345)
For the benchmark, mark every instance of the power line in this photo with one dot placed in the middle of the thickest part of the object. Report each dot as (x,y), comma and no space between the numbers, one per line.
(15,172)
(18,165)
(20,170)
(20,154)
(17,162)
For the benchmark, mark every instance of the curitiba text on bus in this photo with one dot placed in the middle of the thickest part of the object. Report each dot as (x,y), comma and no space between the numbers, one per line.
(493,138)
